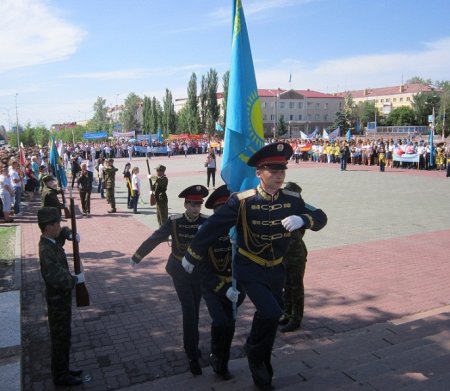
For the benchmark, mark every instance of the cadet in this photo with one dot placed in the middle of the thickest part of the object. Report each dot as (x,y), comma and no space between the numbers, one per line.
(49,195)
(59,283)
(264,219)
(216,290)
(160,190)
(295,262)
(109,179)
(182,228)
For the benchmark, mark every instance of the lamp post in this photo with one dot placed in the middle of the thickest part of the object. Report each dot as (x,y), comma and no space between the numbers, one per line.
(17,125)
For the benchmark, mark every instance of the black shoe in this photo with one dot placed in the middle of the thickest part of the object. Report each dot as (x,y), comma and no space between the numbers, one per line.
(137,213)
(260,373)
(225,373)
(291,326)
(112,211)
(283,321)
(75,372)
(195,368)
(69,380)
(214,361)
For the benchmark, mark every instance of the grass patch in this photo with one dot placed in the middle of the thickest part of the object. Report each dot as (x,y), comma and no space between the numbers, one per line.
(7,254)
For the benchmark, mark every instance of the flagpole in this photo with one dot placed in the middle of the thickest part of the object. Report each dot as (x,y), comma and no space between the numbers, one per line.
(17,125)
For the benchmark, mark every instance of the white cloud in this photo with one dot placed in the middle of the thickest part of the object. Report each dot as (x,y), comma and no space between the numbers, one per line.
(32,33)
(358,72)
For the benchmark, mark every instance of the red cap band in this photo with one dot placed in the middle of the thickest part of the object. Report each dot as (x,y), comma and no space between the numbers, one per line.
(193,197)
(272,160)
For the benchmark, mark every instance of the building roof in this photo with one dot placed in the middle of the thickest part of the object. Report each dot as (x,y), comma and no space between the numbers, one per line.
(306,93)
(382,91)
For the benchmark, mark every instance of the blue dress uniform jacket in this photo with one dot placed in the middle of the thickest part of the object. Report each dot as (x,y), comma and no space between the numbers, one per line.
(187,286)
(261,238)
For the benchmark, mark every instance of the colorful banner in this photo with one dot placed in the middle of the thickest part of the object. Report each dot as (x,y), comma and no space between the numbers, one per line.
(406,157)
(132,133)
(91,136)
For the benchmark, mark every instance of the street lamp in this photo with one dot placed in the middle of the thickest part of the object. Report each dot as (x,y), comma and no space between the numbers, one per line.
(17,125)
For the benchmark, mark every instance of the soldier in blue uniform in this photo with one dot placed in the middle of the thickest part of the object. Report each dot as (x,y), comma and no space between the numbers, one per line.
(182,228)
(264,218)
(216,289)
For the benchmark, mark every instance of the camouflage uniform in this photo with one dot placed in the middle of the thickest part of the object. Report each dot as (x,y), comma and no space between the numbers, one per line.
(160,189)
(109,175)
(58,293)
(49,197)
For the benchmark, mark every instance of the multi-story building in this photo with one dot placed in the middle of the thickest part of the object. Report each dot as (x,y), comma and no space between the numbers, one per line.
(301,110)
(388,98)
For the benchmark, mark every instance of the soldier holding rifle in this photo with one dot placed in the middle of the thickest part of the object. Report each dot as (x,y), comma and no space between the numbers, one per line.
(59,283)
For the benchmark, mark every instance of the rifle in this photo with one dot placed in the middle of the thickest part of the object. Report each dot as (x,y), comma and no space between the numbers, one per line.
(82,294)
(67,214)
(152,194)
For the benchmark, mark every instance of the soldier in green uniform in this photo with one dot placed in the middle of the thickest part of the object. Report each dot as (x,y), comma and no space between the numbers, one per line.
(295,262)
(49,195)
(160,190)
(182,228)
(59,283)
(109,179)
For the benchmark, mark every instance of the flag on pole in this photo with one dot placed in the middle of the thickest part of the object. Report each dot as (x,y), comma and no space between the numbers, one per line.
(219,128)
(244,133)
(325,135)
(56,165)
(431,141)
(349,135)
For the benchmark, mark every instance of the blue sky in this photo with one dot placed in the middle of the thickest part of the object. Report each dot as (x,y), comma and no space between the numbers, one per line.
(59,56)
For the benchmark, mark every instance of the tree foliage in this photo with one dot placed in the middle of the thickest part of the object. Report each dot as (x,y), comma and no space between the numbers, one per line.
(226,82)
(147,116)
(168,114)
(191,117)
(401,116)
(128,117)
(100,121)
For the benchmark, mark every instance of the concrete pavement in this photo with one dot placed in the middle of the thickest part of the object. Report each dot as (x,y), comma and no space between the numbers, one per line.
(381,258)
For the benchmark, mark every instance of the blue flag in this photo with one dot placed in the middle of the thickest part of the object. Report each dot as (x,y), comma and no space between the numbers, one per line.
(430,141)
(56,165)
(349,135)
(244,127)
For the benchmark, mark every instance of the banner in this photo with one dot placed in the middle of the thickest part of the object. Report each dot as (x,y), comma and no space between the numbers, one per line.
(90,136)
(406,157)
(132,133)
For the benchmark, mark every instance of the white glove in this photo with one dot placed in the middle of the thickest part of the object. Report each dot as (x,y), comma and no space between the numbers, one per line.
(292,223)
(133,264)
(189,267)
(150,192)
(80,278)
(149,176)
(77,237)
(232,294)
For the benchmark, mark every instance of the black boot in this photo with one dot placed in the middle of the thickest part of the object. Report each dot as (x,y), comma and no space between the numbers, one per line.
(215,357)
(228,339)
(195,368)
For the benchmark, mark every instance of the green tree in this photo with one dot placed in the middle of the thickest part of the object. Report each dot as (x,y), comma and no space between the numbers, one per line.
(191,113)
(100,121)
(131,106)
(401,116)
(281,127)
(423,104)
(419,80)
(203,104)
(155,115)
(183,120)
(168,114)
(213,108)
(226,82)
(367,112)
(147,116)
(347,118)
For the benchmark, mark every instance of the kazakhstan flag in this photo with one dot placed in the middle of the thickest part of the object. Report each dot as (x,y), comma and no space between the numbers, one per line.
(244,133)
(56,165)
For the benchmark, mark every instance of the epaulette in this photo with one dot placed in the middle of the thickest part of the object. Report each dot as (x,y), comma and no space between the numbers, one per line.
(291,193)
(245,194)
(175,217)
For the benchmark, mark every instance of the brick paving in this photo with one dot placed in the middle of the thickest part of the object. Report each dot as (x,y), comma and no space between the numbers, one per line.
(382,256)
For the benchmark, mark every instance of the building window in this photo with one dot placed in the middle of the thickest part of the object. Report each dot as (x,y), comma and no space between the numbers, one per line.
(325,106)
(265,117)
(300,117)
(308,104)
(300,105)
(264,105)
(401,99)
(309,117)
(408,98)
(282,117)
(325,117)
(291,105)
(394,99)
(317,106)
(388,100)
(381,100)
(291,117)
(282,105)
(272,117)
(317,117)
(272,105)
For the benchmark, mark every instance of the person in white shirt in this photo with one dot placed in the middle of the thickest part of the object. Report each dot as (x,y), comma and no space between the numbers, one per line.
(136,183)
(16,181)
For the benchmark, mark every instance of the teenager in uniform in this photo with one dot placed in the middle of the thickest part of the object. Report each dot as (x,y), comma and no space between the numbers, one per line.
(59,283)
(160,183)
(84,183)
(295,263)
(109,181)
(264,218)
(182,228)
(49,195)
(218,293)
(127,177)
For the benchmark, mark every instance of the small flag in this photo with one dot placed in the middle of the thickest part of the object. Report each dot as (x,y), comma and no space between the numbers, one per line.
(56,165)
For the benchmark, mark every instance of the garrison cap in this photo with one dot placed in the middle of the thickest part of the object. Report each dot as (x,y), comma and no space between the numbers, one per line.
(275,156)
(47,178)
(160,167)
(217,197)
(48,215)
(194,193)
(292,186)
